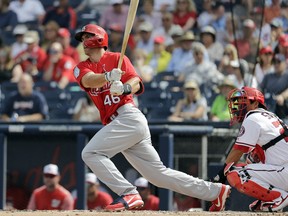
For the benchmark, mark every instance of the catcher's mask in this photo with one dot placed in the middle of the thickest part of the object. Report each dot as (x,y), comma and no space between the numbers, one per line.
(239,99)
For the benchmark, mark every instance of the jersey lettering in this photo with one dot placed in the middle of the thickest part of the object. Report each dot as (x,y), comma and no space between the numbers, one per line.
(109,99)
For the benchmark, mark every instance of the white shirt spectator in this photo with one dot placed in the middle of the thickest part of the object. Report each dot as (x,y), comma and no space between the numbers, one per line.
(28,10)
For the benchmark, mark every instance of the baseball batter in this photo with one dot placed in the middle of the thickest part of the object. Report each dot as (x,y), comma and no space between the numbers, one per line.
(126,129)
(264,137)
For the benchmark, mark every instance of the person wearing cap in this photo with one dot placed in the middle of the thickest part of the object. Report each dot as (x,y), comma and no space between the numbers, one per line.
(185,14)
(32,39)
(58,67)
(25,104)
(275,85)
(146,37)
(282,45)
(151,202)
(265,64)
(214,48)
(52,195)
(159,58)
(96,198)
(116,12)
(64,37)
(192,107)
(18,45)
(219,109)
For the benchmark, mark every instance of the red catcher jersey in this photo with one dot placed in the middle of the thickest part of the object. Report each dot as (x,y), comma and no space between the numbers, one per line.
(107,104)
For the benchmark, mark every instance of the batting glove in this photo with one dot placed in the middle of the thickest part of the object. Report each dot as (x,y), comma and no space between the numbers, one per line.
(117,88)
(220,177)
(114,75)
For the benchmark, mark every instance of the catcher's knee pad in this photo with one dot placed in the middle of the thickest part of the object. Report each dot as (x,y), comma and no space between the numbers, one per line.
(245,184)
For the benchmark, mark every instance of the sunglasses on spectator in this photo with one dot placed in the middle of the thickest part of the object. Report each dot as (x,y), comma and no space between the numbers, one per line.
(49,176)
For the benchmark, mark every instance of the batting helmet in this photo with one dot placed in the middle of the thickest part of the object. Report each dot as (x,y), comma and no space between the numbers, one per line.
(238,100)
(100,38)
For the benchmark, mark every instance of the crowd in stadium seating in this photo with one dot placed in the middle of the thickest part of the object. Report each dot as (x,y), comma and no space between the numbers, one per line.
(173,43)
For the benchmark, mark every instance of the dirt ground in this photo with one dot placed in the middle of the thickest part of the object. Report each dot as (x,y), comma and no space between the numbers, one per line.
(133,213)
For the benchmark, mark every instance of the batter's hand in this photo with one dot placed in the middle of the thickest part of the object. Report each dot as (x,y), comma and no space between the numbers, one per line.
(114,75)
(116,88)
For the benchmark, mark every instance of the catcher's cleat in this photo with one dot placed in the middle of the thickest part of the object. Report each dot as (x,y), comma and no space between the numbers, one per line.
(273,206)
(219,203)
(128,202)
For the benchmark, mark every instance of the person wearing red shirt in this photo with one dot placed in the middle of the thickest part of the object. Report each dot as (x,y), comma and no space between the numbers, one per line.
(59,67)
(185,14)
(31,38)
(151,202)
(51,196)
(64,37)
(111,87)
(96,199)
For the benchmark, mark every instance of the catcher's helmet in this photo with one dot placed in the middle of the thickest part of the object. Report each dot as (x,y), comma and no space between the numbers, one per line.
(238,100)
(99,40)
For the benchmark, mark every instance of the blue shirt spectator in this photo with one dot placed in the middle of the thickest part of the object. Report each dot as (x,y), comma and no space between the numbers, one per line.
(8,18)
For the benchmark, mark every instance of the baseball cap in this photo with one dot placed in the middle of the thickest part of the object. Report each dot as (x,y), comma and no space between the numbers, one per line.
(267,49)
(227,82)
(64,33)
(175,30)
(187,36)
(208,29)
(249,23)
(112,2)
(20,29)
(141,182)
(146,26)
(276,22)
(191,84)
(51,169)
(91,178)
(31,37)
(159,40)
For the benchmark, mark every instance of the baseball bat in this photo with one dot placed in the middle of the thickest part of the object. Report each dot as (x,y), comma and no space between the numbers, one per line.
(129,24)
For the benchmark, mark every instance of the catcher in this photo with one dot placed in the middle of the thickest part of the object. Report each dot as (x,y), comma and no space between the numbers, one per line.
(263,136)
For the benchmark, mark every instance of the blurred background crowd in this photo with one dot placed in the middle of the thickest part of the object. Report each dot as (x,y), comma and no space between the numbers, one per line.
(189,53)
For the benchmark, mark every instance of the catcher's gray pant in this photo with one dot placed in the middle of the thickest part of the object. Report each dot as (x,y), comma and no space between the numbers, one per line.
(129,134)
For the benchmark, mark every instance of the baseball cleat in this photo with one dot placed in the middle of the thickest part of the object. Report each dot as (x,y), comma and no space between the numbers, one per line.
(219,203)
(272,206)
(126,202)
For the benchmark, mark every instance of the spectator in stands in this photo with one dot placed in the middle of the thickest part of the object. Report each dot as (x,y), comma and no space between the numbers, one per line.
(52,195)
(276,26)
(273,10)
(247,42)
(168,28)
(18,45)
(8,18)
(284,15)
(282,46)
(50,34)
(214,48)
(116,12)
(28,11)
(159,58)
(148,14)
(33,51)
(92,5)
(265,64)
(219,109)
(185,14)
(241,75)
(140,64)
(151,202)
(63,14)
(96,199)
(85,110)
(64,37)
(58,67)
(146,40)
(116,38)
(206,16)
(219,21)
(26,104)
(192,107)
(164,5)
(276,85)
(182,55)
(230,54)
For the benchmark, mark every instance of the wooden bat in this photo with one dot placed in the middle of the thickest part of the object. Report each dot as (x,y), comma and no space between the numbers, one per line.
(129,24)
